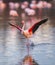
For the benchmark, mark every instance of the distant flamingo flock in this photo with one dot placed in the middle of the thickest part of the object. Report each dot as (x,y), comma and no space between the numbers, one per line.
(28,8)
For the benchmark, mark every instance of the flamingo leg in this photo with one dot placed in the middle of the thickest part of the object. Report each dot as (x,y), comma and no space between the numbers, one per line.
(28,47)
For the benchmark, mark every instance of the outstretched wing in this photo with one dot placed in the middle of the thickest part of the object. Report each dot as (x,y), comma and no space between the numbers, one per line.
(18,27)
(36,25)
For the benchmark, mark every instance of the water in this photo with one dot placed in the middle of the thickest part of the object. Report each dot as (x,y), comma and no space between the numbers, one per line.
(13,43)
(44,54)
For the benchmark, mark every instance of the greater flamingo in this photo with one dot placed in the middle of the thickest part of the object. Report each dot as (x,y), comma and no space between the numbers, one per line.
(28,33)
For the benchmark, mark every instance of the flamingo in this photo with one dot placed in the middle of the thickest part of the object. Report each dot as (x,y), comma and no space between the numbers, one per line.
(40,5)
(17,5)
(30,12)
(33,1)
(27,10)
(2,5)
(28,33)
(33,4)
(46,4)
(24,5)
(11,5)
(49,5)
(13,13)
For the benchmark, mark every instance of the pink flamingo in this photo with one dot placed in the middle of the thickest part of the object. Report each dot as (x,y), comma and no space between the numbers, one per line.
(11,5)
(13,13)
(28,33)
(2,5)
(46,4)
(24,5)
(33,4)
(17,5)
(49,5)
(40,6)
(30,12)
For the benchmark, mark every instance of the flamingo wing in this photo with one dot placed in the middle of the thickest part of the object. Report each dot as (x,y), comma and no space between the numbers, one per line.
(36,25)
(18,27)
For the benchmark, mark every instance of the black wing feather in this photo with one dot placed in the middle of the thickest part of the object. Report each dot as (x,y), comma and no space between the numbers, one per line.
(36,25)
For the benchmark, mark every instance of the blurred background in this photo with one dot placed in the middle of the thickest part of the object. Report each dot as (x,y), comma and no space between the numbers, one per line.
(13,43)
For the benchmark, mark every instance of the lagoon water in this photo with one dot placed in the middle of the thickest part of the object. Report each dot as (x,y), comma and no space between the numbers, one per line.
(13,43)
